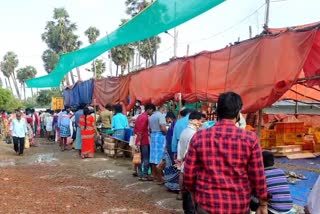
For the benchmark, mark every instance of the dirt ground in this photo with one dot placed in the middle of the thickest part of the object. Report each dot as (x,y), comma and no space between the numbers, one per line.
(46,180)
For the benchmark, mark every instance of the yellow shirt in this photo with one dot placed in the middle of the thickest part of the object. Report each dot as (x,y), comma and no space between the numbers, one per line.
(105,118)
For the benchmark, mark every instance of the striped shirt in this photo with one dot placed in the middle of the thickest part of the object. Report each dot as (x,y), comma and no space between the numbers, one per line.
(278,187)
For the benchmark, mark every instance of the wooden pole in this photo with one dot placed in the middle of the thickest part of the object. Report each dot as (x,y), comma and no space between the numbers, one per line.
(259,123)
(266,25)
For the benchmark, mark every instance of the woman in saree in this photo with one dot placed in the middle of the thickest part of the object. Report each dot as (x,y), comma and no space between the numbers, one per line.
(88,130)
(30,130)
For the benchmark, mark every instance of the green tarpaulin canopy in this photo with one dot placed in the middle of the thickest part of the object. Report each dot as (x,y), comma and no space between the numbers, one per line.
(161,16)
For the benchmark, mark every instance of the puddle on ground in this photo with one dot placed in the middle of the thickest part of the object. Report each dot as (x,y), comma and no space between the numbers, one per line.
(95,159)
(4,163)
(104,174)
(61,189)
(124,210)
(167,203)
(109,173)
(43,159)
(32,160)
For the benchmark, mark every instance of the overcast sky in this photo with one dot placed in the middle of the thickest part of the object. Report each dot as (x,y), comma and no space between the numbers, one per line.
(23,22)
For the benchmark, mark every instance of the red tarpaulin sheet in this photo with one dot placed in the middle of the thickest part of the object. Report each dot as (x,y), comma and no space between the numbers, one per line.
(110,90)
(260,70)
(312,64)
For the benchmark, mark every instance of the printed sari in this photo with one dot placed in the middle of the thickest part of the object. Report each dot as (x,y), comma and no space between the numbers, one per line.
(87,126)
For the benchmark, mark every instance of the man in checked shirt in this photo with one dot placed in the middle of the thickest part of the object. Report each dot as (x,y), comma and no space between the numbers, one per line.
(223,166)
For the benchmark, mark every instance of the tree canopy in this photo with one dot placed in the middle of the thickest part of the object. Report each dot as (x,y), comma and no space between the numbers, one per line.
(7,101)
(44,97)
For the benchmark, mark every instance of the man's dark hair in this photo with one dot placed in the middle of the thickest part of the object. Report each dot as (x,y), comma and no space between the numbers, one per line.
(195,115)
(82,106)
(117,109)
(170,115)
(268,158)
(185,112)
(150,106)
(229,105)
(108,107)
(183,102)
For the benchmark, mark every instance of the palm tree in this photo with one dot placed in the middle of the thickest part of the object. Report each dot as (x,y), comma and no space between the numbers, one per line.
(100,67)
(8,65)
(121,56)
(6,73)
(25,73)
(147,48)
(50,59)
(59,35)
(92,33)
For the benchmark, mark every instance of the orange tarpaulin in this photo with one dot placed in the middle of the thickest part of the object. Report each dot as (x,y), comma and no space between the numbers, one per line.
(300,92)
(260,70)
(110,90)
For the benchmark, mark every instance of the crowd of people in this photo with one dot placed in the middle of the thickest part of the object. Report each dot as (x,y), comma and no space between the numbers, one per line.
(215,166)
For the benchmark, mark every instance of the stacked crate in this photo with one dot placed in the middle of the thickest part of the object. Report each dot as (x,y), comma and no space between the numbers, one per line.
(289,133)
(316,136)
(268,139)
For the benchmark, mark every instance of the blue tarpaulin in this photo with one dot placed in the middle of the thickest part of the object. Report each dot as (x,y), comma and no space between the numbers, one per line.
(85,91)
(81,92)
(301,189)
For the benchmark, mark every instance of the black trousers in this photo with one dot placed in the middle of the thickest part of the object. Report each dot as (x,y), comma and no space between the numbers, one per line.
(187,203)
(18,144)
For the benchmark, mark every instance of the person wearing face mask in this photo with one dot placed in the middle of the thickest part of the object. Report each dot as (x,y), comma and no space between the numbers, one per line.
(18,131)
(224,166)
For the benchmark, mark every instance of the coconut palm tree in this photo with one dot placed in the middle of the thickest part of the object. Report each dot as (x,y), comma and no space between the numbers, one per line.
(92,33)
(23,74)
(8,65)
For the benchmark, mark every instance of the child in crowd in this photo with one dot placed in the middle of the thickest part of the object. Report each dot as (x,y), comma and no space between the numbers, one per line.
(278,188)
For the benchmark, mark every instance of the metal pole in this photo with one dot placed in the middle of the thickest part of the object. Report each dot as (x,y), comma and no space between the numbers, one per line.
(250,32)
(266,22)
(188,48)
(175,36)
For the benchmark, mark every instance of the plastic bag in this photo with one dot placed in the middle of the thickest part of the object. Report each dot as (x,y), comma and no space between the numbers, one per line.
(314,198)
(132,141)
(136,158)
(26,142)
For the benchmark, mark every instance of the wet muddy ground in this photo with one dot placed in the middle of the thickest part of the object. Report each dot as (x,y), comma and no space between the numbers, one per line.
(46,180)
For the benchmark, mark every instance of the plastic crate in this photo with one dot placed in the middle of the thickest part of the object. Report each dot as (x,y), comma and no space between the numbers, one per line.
(267,144)
(316,136)
(268,134)
(293,127)
(289,138)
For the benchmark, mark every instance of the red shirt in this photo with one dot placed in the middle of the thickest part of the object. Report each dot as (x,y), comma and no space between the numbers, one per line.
(223,167)
(141,129)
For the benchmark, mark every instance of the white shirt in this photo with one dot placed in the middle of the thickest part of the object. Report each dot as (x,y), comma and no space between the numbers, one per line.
(242,123)
(49,121)
(19,128)
(183,143)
